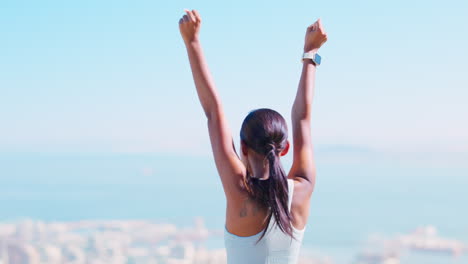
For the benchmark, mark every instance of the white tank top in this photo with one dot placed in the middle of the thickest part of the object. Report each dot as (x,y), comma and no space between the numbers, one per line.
(275,247)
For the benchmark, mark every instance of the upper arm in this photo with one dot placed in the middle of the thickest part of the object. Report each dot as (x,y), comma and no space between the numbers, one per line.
(230,168)
(303,168)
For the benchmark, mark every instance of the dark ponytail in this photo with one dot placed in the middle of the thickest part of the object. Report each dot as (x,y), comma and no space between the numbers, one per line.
(265,132)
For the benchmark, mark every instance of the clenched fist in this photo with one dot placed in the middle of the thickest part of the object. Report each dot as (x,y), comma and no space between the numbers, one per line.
(315,36)
(189,26)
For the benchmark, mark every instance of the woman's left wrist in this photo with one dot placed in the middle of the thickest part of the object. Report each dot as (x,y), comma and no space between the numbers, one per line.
(194,41)
(310,50)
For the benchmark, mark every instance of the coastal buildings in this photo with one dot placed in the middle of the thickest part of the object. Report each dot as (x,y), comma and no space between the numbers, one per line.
(148,242)
(107,242)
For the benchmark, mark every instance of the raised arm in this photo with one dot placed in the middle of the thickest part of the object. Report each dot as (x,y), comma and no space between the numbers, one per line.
(228,164)
(303,167)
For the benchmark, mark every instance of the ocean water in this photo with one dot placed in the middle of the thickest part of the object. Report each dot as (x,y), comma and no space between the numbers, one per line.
(355,198)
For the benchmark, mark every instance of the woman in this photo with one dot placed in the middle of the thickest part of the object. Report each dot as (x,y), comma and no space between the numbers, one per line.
(267,209)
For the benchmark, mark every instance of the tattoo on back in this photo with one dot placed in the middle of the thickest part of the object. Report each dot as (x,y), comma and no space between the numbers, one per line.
(245,208)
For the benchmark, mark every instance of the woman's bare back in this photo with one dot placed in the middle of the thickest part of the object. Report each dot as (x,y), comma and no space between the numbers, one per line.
(245,217)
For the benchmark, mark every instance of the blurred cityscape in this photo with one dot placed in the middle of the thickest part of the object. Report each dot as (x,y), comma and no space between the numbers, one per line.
(423,240)
(145,242)
(110,242)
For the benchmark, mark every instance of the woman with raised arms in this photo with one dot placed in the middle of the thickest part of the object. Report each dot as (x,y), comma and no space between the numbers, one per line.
(267,210)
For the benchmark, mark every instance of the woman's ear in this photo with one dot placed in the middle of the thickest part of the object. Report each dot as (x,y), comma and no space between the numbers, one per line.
(244,148)
(286,149)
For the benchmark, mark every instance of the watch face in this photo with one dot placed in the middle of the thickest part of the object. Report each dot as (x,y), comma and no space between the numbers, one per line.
(317,59)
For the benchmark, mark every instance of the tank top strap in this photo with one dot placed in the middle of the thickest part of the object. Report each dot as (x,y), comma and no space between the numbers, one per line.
(290,192)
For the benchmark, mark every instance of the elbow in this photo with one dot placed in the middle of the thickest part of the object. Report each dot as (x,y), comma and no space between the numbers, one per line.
(212,112)
(301,114)
(301,109)
(209,115)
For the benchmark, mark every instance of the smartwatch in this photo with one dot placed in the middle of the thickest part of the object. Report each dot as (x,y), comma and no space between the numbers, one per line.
(313,56)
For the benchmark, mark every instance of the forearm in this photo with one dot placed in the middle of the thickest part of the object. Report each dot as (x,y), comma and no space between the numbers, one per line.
(204,83)
(302,107)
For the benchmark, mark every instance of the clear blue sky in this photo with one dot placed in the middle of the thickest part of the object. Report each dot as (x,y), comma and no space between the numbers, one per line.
(113,76)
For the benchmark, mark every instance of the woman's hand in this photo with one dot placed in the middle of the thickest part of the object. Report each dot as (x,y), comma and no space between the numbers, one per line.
(315,36)
(189,26)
